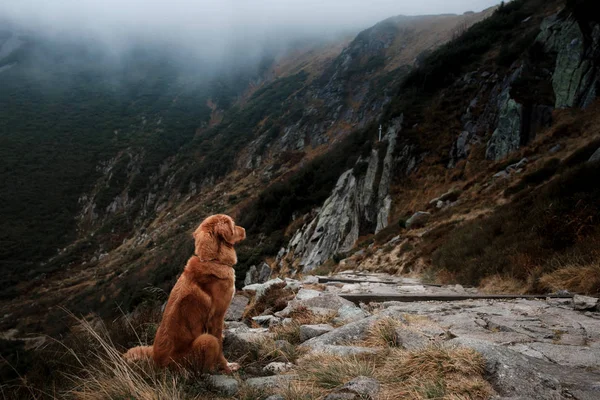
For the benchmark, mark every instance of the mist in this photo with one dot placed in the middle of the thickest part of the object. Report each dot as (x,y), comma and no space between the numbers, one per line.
(212,29)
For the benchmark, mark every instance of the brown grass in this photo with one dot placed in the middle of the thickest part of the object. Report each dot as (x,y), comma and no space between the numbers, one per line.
(574,278)
(498,284)
(383,333)
(432,372)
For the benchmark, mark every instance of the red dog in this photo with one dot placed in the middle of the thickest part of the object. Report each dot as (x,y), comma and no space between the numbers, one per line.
(191,330)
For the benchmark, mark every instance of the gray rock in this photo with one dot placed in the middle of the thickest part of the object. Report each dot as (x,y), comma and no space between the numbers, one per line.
(278,367)
(236,325)
(344,351)
(270,382)
(224,384)
(359,388)
(419,219)
(311,331)
(251,276)
(555,149)
(595,157)
(576,73)
(501,175)
(352,332)
(349,313)
(326,301)
(266,320)
(516,375)
(305,294)
(310,280)
(261,288)
(507,136)
(292,284)
(236,308)
(275,397)
(411,340)
(264,272)
(584,303)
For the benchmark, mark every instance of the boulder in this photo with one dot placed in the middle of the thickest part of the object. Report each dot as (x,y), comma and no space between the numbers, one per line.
(278,367)
(266,320)
(251,276)
(261,288)
(419,219)
(224,384)
(310,280)
(348,313)
(270,382)
(264,272)
(584,303)
(311,331)
(236,308)
(359,388)
(305,294)
(325,301)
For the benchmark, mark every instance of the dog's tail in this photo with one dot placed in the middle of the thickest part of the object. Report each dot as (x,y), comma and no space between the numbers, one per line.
(138,353)
(206,354)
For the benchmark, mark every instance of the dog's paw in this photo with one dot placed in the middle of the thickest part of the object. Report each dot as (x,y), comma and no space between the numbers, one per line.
(231,367)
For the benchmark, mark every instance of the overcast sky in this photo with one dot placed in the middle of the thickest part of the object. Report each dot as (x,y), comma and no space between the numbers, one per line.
(213,25)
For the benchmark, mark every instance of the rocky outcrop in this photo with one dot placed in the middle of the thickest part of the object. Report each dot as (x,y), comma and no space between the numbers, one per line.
(257,275)
(359,203)
(576,72)
(507,135)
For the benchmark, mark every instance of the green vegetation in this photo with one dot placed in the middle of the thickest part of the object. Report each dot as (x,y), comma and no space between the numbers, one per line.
(64,111)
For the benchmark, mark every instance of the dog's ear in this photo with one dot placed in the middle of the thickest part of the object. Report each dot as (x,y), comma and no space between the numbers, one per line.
(225,229)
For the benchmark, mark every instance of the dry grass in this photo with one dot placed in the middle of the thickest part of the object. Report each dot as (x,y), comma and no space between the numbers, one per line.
(108,375)
(383,333)
(274,299)
(574,278)
(434,372)
(497,284)
(326,371)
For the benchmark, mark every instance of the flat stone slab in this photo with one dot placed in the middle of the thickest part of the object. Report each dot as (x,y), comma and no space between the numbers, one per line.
(376,298)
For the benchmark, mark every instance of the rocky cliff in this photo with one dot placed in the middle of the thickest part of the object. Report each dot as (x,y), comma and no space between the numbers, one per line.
(359,204)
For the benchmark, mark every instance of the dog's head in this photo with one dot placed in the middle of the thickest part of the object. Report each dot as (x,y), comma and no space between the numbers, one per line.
(215,237)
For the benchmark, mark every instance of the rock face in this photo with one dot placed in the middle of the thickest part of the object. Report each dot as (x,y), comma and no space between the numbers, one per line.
(576,73)
(507,136)
(359,203)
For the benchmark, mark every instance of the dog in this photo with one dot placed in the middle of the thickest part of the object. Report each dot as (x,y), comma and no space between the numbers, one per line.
(191,330)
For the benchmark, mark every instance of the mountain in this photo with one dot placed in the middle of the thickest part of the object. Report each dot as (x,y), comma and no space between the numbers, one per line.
(98,154)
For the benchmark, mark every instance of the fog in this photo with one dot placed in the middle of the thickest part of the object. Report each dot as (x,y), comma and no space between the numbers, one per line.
(213,28)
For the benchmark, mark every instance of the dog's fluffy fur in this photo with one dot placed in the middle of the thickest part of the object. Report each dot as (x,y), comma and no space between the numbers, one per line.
(191,330)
